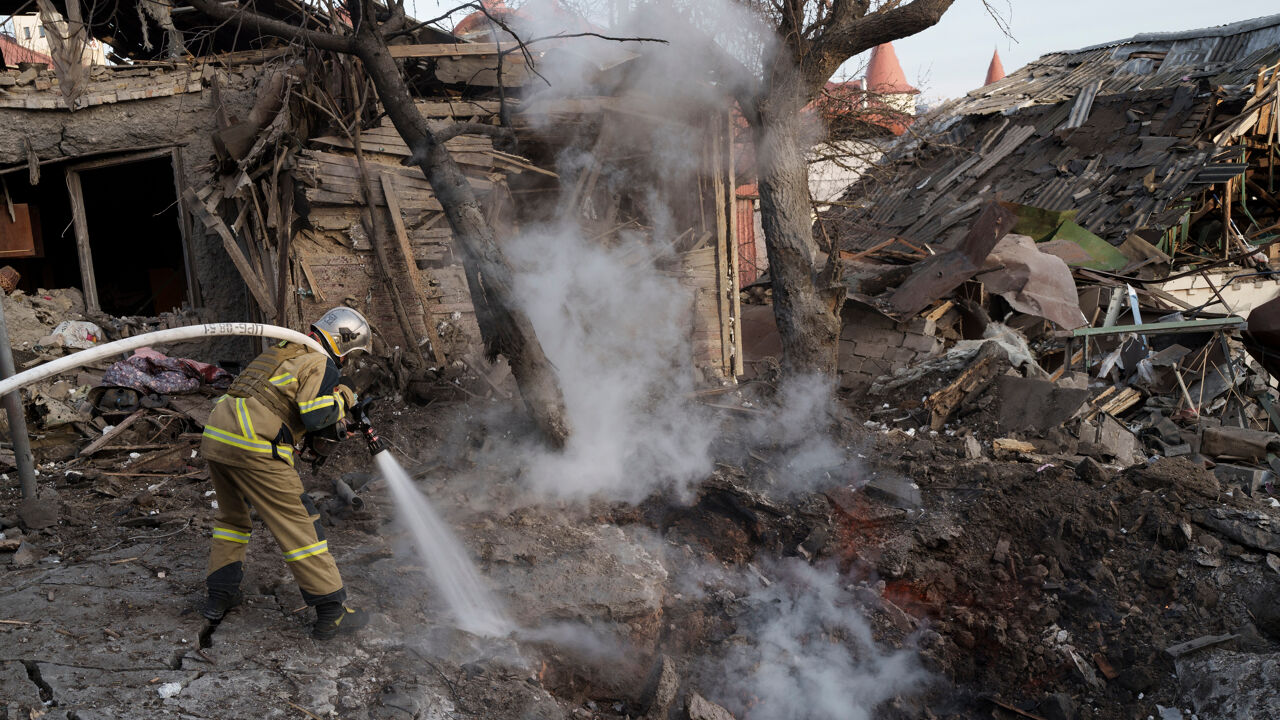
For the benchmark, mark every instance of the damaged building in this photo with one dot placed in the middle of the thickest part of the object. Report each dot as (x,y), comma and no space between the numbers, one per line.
(229,175)
(1149,160)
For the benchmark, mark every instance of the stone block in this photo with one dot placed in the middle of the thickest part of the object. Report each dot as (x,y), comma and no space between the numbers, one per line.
(876,367)
(900,356)
(871,350)
(920,343)
(849,362)
(855,381)
(1250,479)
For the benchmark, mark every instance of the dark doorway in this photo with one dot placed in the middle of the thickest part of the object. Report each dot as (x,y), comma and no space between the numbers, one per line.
(135,237)
(110,226)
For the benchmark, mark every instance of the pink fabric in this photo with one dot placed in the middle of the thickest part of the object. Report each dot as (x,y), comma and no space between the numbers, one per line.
(148,371)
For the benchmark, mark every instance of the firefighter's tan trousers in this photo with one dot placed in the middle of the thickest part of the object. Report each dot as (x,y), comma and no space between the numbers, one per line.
(276,493)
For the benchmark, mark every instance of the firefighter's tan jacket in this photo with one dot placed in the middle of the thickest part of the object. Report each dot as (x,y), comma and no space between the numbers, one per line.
(285,392)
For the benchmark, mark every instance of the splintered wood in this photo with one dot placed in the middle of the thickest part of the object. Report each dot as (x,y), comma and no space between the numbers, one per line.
(946,401)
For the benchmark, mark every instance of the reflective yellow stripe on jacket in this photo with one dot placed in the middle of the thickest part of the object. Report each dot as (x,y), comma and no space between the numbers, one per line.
(246,439)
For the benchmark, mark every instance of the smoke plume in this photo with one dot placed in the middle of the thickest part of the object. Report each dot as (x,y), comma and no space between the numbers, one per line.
(806,653)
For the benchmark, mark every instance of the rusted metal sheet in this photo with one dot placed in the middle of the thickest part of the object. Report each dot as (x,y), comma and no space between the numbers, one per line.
(932,278)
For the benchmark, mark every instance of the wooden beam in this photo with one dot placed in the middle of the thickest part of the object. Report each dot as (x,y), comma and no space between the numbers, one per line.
(449,50)
(111,434)
(257,286)
(184,227)
(122,159)
(722,242)
(944,402)
(83,253)
(735,280)
(415,277)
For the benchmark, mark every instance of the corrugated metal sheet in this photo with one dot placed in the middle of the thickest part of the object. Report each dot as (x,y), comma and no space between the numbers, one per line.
(1231,52)
(1083,104)
(1115,132)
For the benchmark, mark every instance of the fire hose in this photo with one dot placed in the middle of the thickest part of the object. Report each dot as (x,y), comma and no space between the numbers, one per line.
(189,332)
(359,423)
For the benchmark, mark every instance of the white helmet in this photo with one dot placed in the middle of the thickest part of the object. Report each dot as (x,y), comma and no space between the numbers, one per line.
(343,330)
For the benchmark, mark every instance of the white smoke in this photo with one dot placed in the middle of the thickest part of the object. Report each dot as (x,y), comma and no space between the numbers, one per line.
(797,429)
(806,653)
(617,331)
(616,326)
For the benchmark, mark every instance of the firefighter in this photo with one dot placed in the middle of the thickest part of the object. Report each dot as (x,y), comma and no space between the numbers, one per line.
(287,393)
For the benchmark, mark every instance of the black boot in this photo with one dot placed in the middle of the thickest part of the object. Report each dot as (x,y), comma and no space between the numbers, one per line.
(218,602)
(335,617)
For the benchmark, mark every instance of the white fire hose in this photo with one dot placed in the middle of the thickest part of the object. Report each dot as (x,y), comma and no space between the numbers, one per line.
(189,332)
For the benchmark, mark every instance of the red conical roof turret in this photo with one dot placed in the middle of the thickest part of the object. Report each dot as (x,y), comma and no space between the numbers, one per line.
(995,71)
(884,72)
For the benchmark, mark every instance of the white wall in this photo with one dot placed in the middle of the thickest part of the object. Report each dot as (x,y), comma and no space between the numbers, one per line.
(30,34)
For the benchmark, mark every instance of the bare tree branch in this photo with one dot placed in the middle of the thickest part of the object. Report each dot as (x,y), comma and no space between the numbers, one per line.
(851,34)
(273,27)
(558,36)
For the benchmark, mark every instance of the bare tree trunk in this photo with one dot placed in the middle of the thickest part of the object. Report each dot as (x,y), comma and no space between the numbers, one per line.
(505,327)
(807,295)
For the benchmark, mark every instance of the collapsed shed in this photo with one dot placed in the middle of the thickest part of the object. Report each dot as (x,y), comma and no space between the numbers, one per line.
(224,186)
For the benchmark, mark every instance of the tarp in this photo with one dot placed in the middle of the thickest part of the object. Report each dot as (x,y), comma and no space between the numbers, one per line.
(1034,282)
(1080,248)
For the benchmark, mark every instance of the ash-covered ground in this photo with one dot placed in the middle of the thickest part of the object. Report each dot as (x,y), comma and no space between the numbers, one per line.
(904,581)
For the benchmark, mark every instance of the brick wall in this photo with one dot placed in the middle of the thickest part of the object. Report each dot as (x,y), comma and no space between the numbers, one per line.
(872,345)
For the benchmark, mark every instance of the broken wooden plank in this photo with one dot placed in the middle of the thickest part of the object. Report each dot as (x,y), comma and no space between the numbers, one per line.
(482,70)
(519,163)
(943,403)
(938,275)
(936,314)
(1199,643)
(460,107)
(111,434)
(1122,402)
(415,276)
(436,50)
(248,273)
(311,280)
(1001,446)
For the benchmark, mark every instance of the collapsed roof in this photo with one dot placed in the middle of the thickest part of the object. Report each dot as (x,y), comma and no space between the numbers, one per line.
(151,30)
(1118,132)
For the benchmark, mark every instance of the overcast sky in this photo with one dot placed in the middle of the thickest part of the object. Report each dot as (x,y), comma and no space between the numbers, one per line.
(951,58)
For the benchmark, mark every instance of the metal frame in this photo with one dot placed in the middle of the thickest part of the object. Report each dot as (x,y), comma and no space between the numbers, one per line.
(81,223)
(1167,328)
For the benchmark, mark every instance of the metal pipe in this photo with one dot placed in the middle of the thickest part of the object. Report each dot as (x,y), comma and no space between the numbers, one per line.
(349,496)
(17,418)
